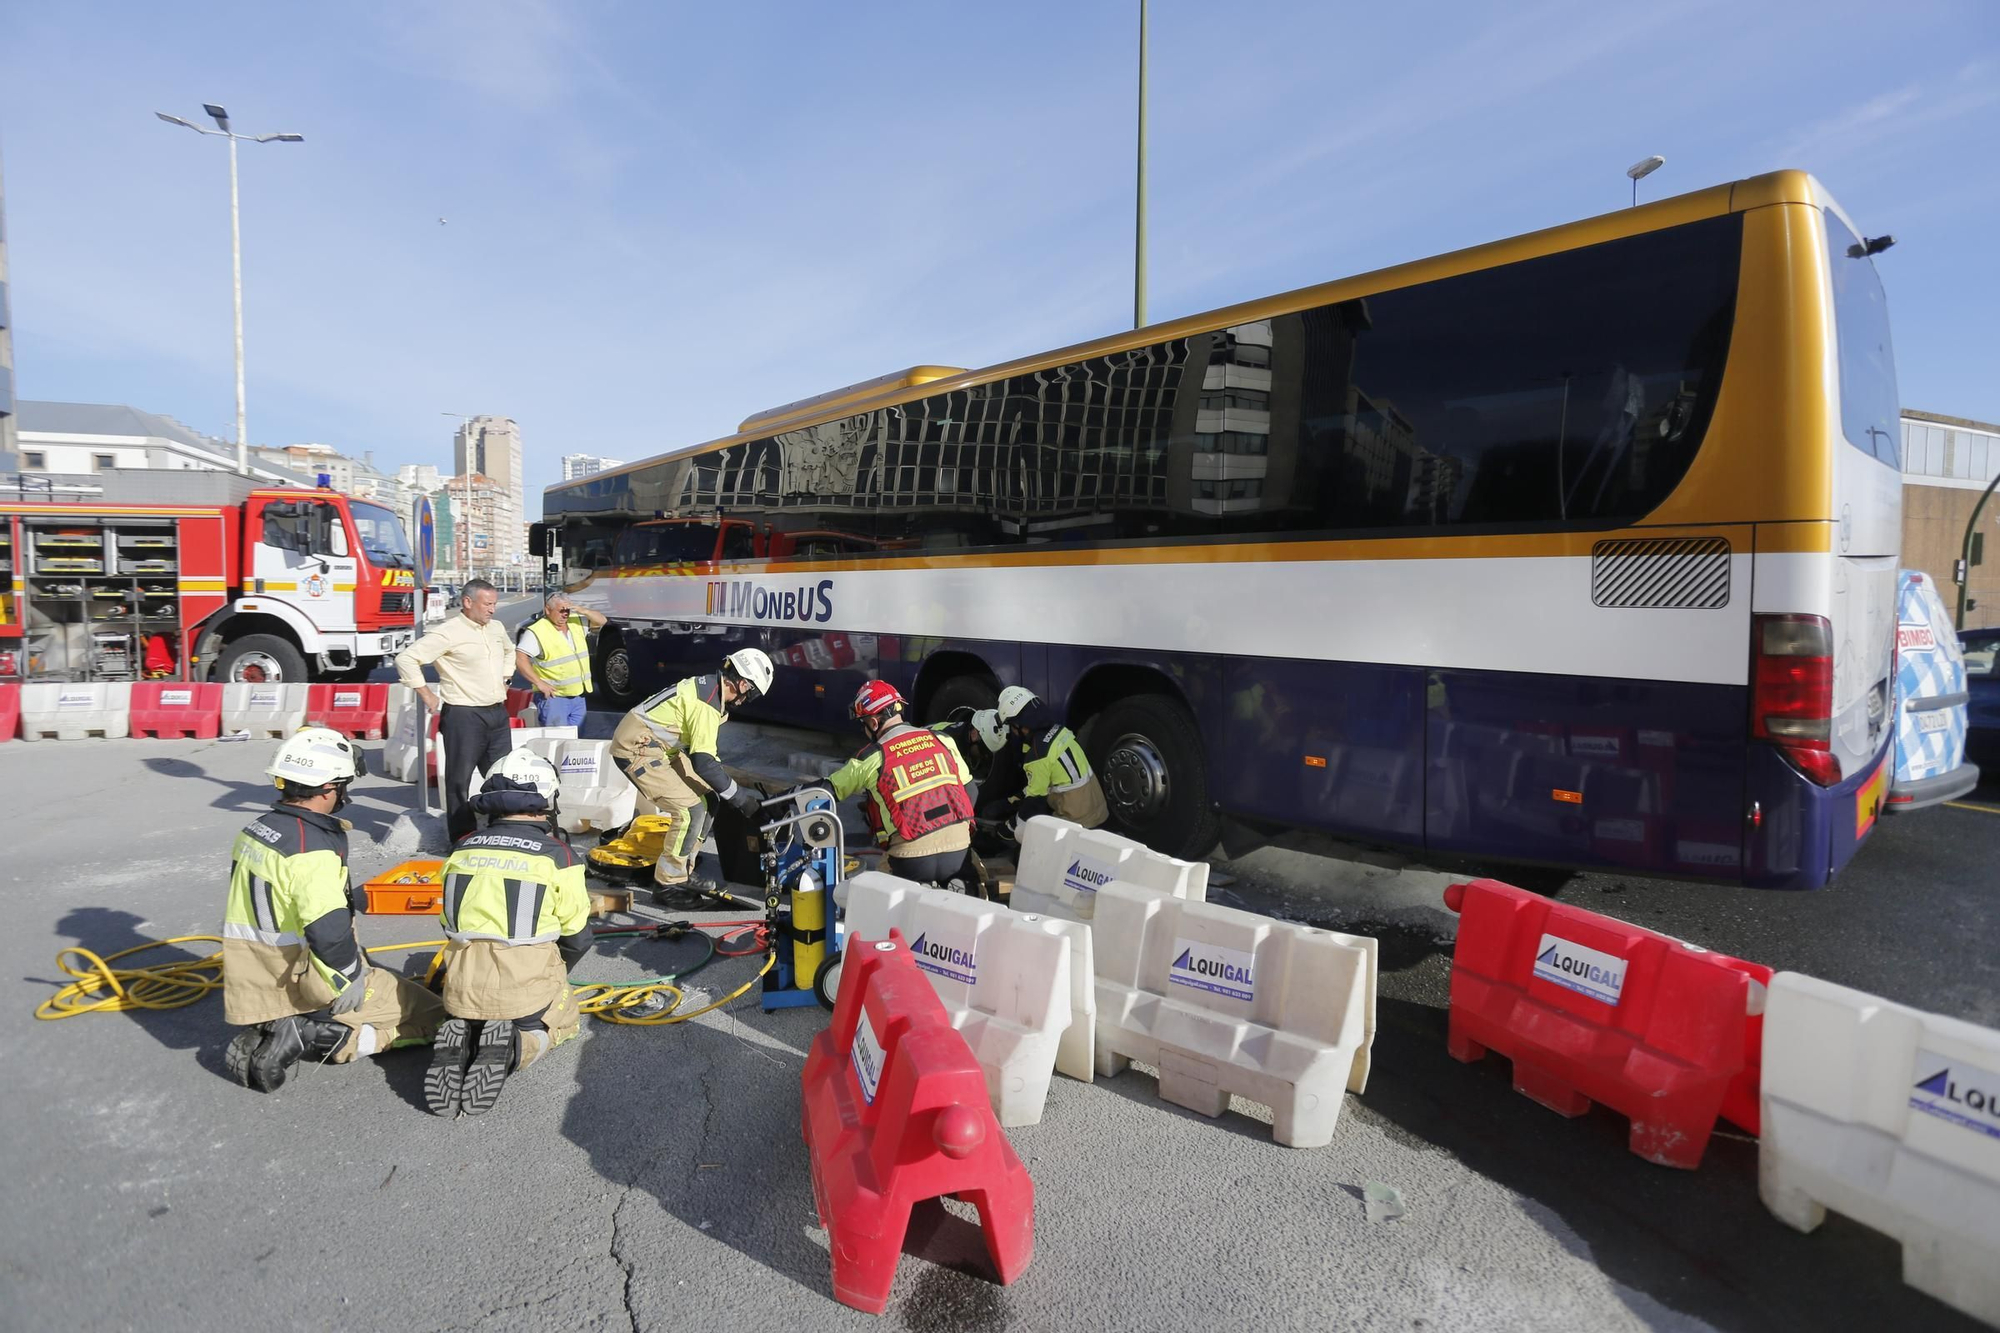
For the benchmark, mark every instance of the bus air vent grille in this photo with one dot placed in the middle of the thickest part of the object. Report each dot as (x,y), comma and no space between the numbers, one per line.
(1685,573)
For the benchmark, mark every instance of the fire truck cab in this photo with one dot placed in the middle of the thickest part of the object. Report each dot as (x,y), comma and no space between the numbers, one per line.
(281,585)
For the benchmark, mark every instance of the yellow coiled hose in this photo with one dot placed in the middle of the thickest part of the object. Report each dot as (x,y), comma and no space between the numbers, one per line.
(100,988)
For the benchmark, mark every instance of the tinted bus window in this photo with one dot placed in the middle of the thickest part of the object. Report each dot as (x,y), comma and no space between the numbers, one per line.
(1869,409)
(1571,390)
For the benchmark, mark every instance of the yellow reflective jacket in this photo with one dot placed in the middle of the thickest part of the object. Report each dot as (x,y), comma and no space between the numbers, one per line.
(565,659)
(1054,762)
(288,942)
(687,717)
(514,883)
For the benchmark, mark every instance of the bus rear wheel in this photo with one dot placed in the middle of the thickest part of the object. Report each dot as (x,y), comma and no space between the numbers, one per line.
(613,675)
(1147,753)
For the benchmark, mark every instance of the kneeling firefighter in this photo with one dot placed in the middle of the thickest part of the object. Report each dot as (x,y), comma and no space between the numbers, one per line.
(667,747)
(517,917)
(293,975)
(915,780)
(1041,767)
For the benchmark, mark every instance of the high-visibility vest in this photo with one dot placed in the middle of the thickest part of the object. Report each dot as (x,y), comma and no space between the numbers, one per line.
(688,715)
(288,870)
(513,883)
(565,659)
(919,786)
(1055,763)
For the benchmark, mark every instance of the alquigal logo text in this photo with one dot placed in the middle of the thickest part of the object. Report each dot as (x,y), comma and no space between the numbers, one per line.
(1966,1095)
(945,960)
(1219,976)
(1577,967)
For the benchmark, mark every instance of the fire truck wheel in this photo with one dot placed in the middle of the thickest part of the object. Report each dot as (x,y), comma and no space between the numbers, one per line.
(260,659)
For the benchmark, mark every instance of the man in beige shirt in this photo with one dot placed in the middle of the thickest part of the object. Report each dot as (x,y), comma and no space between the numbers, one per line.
(475,660)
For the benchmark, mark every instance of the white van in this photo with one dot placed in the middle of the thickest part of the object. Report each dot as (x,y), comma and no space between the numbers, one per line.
(1930,701)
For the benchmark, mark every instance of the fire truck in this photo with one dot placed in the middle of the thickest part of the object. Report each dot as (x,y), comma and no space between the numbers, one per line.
(280,584)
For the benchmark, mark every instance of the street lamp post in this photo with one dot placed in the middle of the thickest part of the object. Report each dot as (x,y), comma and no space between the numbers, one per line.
(221,118)
(1139,230)
(1638,171)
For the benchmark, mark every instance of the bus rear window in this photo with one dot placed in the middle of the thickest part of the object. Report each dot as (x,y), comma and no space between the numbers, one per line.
(1868,406)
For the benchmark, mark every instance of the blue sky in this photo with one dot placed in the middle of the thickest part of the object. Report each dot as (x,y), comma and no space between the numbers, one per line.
(662,218)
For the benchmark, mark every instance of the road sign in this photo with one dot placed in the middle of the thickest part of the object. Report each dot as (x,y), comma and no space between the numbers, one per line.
(426,526)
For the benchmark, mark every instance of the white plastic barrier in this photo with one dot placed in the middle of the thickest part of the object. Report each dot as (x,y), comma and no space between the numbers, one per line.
(1063,865)
(1222,1001)
(75,712)
(595,794)
(408,722)
(263,710)
(544,741)
(1890,1116)
(1005,978)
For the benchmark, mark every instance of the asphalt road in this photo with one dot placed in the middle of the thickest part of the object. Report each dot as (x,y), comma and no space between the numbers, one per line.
(651,1178)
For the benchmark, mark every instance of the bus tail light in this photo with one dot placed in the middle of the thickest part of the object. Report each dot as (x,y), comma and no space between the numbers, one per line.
(1791,702)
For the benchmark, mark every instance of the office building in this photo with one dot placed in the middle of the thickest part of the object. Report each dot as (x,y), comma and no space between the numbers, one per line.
(587,465)
(490,448)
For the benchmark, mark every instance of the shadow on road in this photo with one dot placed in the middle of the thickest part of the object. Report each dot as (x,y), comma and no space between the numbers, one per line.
(375,805)
(1698,1242)
(107,930)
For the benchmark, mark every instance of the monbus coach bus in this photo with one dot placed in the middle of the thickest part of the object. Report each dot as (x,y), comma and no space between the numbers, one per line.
(1575,549)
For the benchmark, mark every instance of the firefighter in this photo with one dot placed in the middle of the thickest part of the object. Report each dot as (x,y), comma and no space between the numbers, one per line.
(667,747)
(1041,768)
(516,917)
(293,975)
(915,778)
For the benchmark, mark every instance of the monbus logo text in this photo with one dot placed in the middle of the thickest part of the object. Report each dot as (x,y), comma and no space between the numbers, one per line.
(803,604)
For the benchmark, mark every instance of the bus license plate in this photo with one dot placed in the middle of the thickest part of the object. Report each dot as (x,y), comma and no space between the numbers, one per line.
(1936,720)
(1868,800)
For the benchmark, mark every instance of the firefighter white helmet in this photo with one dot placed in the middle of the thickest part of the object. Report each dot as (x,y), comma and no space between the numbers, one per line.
(1013,700)
(990,728)
(524,769)
(316,756)
(752,665)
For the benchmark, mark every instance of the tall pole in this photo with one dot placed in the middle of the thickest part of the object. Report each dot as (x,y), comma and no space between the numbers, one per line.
(236,264)
(1139,239)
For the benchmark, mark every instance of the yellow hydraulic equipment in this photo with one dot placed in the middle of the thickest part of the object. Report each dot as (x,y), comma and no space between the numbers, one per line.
(633,853)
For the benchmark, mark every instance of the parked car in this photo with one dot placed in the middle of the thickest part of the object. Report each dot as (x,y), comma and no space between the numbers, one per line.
(1982,684)
(1930,702)
(438,602)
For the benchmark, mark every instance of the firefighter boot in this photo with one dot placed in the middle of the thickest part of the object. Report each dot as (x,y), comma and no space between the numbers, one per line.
(289,1040)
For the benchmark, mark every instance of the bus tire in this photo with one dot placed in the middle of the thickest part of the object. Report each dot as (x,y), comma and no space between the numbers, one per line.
(974,692)
(260,659)
(1147,753)
(614,675)
(968,691)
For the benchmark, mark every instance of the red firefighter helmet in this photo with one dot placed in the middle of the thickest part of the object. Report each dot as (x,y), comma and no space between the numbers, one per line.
(877,696)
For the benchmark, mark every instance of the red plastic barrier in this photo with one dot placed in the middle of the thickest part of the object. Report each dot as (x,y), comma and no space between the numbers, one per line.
(360,711)
(518,700)
(10,712)
(170,709)
(1591,1009)
(895,1113)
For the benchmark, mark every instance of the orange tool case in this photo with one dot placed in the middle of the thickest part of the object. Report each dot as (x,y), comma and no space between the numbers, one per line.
(410,889)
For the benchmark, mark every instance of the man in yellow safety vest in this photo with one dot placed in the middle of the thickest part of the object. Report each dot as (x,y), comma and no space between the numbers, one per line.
(553,655)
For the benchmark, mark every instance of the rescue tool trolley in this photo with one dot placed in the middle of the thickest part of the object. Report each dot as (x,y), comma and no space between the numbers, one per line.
(274,585)
(804,856)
